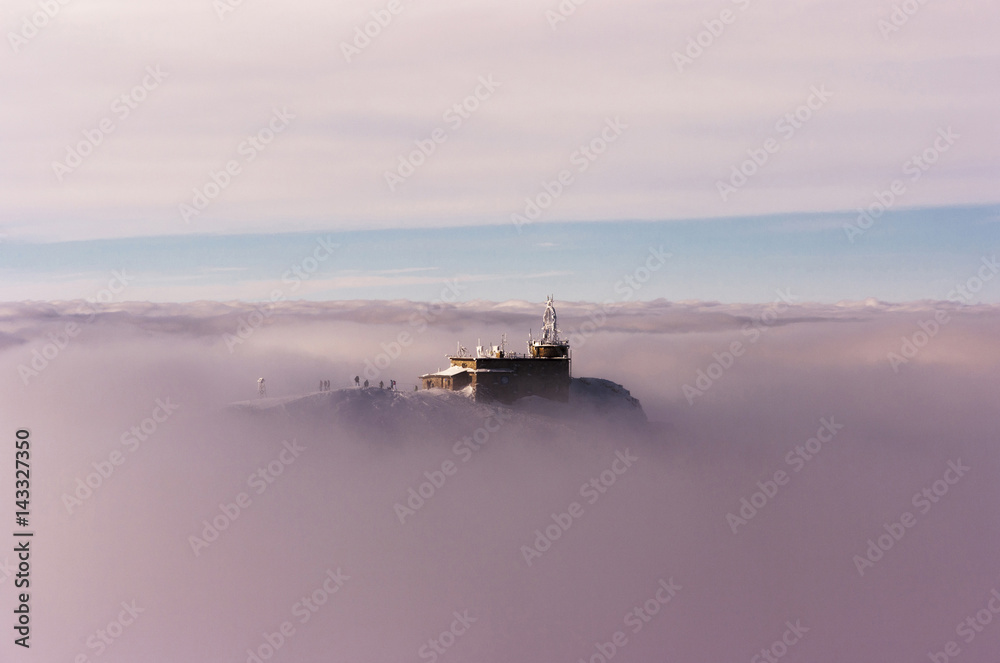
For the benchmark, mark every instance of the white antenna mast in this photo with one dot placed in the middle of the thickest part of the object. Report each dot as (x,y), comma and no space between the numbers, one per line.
(550,329)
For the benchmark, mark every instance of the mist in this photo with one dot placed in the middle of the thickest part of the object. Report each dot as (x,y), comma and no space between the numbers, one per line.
(817,481)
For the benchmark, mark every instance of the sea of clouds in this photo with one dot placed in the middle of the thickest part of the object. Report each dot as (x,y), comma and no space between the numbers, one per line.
(815,481)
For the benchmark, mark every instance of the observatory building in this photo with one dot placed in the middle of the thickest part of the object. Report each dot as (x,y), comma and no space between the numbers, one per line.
(495,374)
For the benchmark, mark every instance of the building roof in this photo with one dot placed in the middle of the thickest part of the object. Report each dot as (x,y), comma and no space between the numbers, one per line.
(448,372)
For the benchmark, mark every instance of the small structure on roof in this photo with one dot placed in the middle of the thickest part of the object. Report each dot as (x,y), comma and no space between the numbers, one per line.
(453,378)
(495,374)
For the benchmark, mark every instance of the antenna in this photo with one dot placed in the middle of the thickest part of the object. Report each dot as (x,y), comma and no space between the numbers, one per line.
(550,328)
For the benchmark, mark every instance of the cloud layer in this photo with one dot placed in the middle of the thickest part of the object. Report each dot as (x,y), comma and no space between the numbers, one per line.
(874,433)
(262,104)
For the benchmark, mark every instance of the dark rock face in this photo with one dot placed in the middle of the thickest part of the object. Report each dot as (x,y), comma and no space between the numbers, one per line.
(605,397)
(590,398)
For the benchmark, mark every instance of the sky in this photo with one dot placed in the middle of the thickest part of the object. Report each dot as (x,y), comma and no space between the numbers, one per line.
(905,255)
(126,120)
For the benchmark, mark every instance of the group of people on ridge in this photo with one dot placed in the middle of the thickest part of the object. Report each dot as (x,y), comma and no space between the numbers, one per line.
(381,383)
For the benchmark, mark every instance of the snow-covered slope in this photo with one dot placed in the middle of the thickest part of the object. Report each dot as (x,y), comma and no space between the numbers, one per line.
(388,413)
